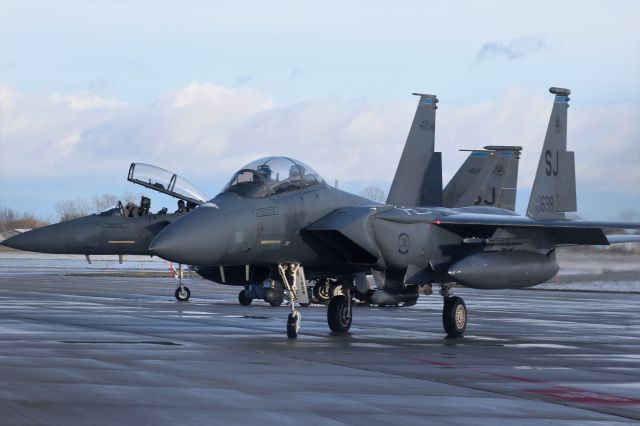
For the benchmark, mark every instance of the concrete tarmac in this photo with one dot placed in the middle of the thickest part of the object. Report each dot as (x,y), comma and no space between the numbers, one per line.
(106,350)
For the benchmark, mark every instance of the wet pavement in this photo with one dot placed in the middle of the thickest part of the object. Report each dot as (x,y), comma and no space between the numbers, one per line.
(105,350)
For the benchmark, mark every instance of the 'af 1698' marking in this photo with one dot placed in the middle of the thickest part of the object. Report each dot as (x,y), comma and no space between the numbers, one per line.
(544,204)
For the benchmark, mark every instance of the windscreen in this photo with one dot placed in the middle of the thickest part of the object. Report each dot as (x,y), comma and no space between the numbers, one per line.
(270,176)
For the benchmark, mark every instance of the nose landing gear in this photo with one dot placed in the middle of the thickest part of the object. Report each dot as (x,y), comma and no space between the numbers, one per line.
(292,275)
(182,293)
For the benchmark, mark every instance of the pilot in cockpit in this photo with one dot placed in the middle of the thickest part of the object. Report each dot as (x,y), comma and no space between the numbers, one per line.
(295,172)
(265,171)
(181,207)
(145,205)
(131,210)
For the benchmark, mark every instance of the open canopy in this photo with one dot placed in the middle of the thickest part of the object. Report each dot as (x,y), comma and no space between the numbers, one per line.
(164,181)
(270,176)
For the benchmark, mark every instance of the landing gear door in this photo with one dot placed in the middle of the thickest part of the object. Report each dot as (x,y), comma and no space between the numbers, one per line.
(164,181)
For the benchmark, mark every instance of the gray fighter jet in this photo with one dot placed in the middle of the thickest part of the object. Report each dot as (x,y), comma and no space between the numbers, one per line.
(278,218)
(120,230)
(125,230)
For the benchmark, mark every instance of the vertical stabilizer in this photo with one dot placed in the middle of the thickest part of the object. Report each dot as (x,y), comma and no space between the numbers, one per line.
(554,187)
(418,179)
(488,177)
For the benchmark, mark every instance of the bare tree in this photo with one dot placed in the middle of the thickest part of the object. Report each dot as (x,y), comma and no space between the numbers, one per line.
(10,219)
(71,209)
(373,193)
(103,202)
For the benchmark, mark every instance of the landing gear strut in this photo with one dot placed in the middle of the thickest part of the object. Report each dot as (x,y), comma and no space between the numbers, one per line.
(292,275)
(339,312)
(182,293)
(454,312)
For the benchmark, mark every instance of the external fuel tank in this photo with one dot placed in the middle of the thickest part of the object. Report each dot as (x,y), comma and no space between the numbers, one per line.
(498,270)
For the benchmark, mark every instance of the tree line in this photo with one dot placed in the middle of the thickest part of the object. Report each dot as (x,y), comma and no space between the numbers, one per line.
(65,210)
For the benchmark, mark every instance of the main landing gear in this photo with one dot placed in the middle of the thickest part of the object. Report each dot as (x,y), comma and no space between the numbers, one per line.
(454,312)
(182,293)
(322,290)
(292,275)
(340,312)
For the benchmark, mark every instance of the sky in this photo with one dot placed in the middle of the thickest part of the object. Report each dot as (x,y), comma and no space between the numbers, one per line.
(202,88)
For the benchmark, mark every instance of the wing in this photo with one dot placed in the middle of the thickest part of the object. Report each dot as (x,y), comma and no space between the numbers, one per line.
(561,231)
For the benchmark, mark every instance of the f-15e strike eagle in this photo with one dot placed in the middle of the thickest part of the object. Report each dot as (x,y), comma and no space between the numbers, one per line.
(278,219)
(487,177)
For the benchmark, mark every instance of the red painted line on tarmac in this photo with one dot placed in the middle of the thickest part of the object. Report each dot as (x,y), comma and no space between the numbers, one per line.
(585,397)
(564,393)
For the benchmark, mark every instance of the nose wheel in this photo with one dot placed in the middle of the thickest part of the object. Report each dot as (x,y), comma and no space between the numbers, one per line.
(182,293)
(293,324)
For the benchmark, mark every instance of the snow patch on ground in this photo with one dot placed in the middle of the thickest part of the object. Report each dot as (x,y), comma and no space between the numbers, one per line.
(616,286)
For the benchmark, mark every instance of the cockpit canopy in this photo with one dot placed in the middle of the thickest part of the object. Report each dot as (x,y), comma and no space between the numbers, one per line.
(164,181)
(270,176)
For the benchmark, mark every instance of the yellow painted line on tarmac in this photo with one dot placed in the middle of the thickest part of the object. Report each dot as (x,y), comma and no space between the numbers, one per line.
(270,241)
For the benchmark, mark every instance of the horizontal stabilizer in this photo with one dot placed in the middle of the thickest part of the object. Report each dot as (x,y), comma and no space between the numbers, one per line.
(618,239)
(525,222)
(561,232)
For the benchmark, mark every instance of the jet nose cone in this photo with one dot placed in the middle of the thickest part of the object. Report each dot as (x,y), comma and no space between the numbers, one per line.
(198,238)
(44,240)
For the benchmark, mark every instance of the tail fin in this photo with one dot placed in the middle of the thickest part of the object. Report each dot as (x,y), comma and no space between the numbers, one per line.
(488,177)
(554,187)
(418,179)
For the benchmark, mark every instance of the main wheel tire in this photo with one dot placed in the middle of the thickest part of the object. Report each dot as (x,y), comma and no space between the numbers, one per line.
(182,293)
(339,315)
(244,298)
(293,324)
(273,297)
(454,316)
(321,291)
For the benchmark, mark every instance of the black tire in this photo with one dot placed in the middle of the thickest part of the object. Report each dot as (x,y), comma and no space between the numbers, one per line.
(293,325)
(182,294)
(244,299)
(339,315)
(454,316)
(273,297)
(321,290)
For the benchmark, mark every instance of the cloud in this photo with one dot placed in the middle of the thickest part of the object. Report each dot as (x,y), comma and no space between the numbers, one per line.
(515,49)
(205,132)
